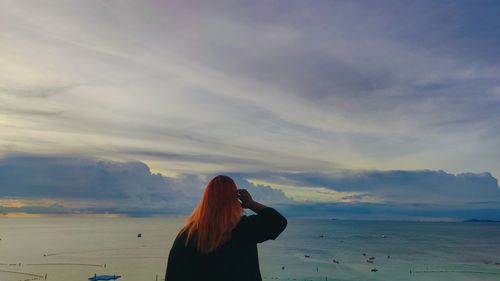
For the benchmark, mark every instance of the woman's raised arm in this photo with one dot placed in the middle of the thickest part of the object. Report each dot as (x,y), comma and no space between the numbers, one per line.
(267,224)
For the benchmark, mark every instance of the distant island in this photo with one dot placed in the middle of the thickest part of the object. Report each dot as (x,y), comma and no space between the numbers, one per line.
(476,220)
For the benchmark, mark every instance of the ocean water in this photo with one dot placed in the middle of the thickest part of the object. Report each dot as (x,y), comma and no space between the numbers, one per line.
(74,249)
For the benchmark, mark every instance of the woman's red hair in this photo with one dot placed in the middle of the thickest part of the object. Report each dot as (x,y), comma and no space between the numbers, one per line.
(218,212)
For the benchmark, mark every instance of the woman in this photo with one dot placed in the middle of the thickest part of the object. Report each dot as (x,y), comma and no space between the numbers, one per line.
(218,242)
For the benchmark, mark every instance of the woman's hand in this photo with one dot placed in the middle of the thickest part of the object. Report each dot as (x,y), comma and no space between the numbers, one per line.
(245,197)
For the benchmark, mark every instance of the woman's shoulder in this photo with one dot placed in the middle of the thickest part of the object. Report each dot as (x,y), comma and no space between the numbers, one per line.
(181,237)
(243,220)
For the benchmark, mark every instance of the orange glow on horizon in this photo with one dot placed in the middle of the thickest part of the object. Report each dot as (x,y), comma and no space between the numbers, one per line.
(23,215)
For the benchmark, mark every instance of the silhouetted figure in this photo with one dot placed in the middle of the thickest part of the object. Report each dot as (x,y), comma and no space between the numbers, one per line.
(217,241)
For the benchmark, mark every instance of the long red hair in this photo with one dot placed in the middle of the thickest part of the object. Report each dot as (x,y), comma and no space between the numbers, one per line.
(217,213)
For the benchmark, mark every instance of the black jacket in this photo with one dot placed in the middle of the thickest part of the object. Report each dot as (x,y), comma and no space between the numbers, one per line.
(236,260)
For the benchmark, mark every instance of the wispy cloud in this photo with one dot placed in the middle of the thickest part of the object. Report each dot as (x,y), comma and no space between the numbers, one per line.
(296,87)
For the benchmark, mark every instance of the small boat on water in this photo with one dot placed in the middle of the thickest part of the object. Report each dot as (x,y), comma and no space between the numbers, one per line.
(104,277)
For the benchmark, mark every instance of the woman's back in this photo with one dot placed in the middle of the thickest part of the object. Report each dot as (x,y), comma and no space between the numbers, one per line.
(237,259)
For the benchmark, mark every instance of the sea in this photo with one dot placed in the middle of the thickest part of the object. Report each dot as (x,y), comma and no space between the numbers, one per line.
(76,248)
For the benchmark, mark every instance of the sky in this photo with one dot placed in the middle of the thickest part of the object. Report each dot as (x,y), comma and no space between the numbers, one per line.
(341,106)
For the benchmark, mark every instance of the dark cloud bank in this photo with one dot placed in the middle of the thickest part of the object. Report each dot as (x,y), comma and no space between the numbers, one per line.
(81,184)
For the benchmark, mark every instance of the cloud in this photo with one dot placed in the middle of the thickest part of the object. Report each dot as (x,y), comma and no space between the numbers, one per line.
(368,100)
(316,86)
(61,183)
(75,184)
(38,91)
(397,186)
(84,178)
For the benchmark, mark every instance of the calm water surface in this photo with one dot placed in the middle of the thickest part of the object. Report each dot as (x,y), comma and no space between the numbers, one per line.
(77,248)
